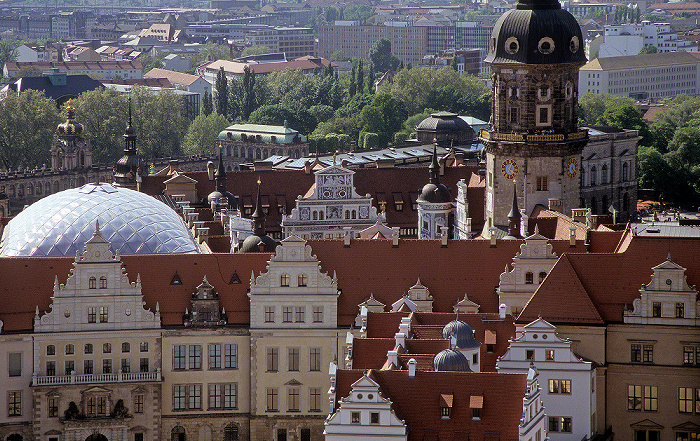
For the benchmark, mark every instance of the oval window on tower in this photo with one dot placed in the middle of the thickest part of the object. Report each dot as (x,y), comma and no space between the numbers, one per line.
(546,45)
(512,46)
(574,44)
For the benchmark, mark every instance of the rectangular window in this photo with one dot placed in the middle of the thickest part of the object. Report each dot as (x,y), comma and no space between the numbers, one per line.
(293,359)
(514,114)
(651,398)
(102,405)
(542,183)
(91,406)
(14,403)
(179,357)
(138,403)
(194,396)
(50,368)
(374,417)
(549,354)
(179,396)
(559,386)
(144,365)
(286,314)
(315,359)
(318,314)
(53,407)
(70,367)
(195,358)
(215,356)
(107,366)
(15,364)
(126,365)
(355,417)
(648,353)
(315,399)
(272,398)
(566,424)
(530,354)
(634,397)
(293,399)
(299,314)
(230,395)
(231,356)
(553,424)
(215,396)
(269,314)
(680,310)
(656,309)
(636,353)
(104,314)
(685,399)
(272,358)
(143,347)
(92,314)
(88,367)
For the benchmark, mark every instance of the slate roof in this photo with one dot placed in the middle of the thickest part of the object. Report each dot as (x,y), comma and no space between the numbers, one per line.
(75,85)
(417,401)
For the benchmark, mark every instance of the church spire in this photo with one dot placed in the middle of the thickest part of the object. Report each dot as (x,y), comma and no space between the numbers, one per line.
(258,216)
(434,167)
(514,216)
(220,175)
(127,167)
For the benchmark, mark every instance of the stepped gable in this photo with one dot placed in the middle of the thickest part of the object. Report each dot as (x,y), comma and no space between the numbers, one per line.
(417,401)
(608,282)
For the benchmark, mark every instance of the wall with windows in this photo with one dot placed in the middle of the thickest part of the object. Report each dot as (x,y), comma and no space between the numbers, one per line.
(16,410)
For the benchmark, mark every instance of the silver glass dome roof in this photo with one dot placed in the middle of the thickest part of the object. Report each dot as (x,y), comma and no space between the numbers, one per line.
(60,224)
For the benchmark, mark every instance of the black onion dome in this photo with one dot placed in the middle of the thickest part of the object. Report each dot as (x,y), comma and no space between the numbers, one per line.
(536,32)
(444,122)
(463,333)
(450,360)
(434,191)
(70,127)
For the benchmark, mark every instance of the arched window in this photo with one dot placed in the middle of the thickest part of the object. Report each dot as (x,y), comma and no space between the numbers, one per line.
(51,350)
(296,154)
(301,280)
(604,174)
(354,214)
(231,432)
(284,280)
(38,188)
(315,215)
(250,152)
(347,214)
(20,190)
(70,349)
(92,283)
(103,282)
(107,348)
(228,151)
(30,190)
(528,278)
(593,175)
(47,186)
(56,187)
(258,154)
(244,137)
(625,172)
(18,437)
(625,202)
(235,151)
(542,276)
(126,347)
(178,434)
(265,153)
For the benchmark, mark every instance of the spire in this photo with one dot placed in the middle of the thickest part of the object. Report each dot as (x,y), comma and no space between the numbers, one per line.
(434,167)
(514,216)
(220,175)
(127,167)
(258,215)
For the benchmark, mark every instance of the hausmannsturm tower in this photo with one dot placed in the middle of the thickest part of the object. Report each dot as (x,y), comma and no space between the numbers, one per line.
(535,53)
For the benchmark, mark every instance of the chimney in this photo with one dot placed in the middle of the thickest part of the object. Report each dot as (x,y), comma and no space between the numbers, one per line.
(492,230)
(405,326)
(502,311)
(210,170)
(555,205)
(412,368)
(346,238)
(400,339)
(174,167)
(395,239)
(572,236)
(393,357)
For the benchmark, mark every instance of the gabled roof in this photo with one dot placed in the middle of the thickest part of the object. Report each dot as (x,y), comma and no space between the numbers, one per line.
(172,76)
(417,401)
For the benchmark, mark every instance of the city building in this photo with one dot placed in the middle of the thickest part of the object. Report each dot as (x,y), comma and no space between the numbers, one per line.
(628,39)
(182,81)
(293,42)
(96,69)
(647,76)
(234,69)
(255,142)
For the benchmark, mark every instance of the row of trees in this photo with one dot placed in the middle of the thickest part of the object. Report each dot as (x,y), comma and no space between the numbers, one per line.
(669,149)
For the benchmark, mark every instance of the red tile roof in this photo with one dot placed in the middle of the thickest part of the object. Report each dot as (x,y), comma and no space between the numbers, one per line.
(417,401)
(607,283)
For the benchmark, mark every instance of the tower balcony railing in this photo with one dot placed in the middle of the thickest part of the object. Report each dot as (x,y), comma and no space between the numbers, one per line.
(538,136)
(120,377)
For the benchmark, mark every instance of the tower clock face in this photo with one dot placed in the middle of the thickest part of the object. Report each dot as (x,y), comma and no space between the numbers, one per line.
(509,168)
(572,167)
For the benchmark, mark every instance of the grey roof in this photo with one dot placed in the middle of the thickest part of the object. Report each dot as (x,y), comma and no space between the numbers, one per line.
(463,333)
(60,224)
(444,122)
(451,360)
(75,85)
(529,22)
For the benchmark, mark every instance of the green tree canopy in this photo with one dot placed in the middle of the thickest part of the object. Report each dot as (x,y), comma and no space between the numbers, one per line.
(27,126)
(626,116)
(276,114)
(159,121)
(255,50)
(221,91)
(202,133)
(591,106)
(381,57)
(648,49)
(384,116)
(103,113)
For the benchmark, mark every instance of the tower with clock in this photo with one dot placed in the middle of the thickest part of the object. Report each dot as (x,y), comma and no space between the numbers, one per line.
(535,53)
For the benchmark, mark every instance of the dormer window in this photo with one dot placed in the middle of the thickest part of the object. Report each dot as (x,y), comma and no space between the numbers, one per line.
(476,404)
(445,412)
(446,406)
(92,283)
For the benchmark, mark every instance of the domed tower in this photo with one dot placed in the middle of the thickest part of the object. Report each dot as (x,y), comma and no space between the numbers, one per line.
(220,192)
(535,53)
(126,169)
(434,204)
(462,339)
(70,150)
(259,241)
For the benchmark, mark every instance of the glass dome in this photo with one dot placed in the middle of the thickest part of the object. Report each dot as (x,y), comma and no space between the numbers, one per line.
(60,224)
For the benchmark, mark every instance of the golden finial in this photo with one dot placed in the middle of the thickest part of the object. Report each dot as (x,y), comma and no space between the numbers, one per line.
(258,180)
(70,105)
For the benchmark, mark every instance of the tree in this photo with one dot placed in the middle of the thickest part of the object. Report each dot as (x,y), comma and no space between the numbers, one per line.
(202,133)
(352,90)
(370,79)
(159,121)
(360,78)
(255,50)
(381,57)
(384,116)
(221,86)
(276,114)
(648,49)
(591,106)
(625,116)
(248,99)
(212,52)
(149,61)
(103,113)
(207,104)
(27,125)
(8,51)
